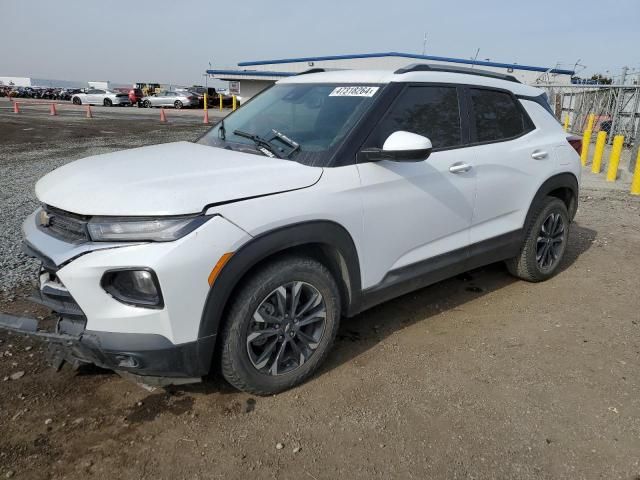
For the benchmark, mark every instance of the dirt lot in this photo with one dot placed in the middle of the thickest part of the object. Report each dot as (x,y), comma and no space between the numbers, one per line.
(478,377)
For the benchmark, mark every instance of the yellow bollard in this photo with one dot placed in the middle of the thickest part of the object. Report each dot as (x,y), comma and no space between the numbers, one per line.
(592,119)
(601,141)
(635,182)
(566,123)
(205,101)
(586,141)
(614,158)
(234,103)
(220,97)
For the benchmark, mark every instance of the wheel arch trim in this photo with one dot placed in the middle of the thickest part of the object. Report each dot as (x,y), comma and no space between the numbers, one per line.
(561,180)
(320,232)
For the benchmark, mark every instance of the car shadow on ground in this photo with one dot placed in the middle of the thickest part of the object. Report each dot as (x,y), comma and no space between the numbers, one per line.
(366,330)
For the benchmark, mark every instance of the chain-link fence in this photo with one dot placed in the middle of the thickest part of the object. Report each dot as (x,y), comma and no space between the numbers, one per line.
(611,109)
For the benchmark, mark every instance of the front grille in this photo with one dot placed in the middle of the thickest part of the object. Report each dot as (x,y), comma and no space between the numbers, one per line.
(66,226)
(55,296)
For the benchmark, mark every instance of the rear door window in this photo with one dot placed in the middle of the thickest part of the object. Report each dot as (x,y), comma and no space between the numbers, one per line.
(496,116)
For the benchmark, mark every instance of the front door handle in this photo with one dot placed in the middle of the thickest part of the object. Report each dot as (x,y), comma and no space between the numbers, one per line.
(459,168)
(539,155)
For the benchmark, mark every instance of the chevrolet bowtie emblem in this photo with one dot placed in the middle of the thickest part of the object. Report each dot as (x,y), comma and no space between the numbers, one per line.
(45,219)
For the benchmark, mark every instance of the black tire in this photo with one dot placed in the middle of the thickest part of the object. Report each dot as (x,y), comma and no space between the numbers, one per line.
(238,367)
(107,102)
(177,104)
(77,101)
(545,242)
(146,104)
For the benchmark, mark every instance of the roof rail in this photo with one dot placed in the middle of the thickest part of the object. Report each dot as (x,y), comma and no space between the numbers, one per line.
(311,70)
(430,67)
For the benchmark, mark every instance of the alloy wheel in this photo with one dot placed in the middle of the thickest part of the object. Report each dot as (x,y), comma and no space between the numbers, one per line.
(550,242)
(286,328)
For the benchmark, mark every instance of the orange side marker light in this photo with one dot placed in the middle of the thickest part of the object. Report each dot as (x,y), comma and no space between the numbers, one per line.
(218,268)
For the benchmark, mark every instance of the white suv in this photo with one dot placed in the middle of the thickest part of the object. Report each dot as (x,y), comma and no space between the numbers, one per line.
(324,195)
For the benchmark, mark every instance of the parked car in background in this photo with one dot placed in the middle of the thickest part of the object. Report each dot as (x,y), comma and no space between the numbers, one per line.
(101,97)
(171,99)
(67,94)
(213,97)
(199,92)
(136,96)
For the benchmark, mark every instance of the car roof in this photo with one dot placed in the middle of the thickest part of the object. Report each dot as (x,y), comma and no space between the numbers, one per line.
(388,76)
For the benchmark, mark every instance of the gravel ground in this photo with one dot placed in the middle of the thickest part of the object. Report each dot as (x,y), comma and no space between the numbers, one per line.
(477,377)
(32,145)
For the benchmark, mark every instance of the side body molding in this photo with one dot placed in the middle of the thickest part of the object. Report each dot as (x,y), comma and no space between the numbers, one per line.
(321,233)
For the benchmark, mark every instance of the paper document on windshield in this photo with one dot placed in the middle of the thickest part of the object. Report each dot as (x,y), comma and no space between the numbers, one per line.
(355,91)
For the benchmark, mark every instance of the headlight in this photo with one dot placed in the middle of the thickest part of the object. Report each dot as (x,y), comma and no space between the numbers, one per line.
(104,229)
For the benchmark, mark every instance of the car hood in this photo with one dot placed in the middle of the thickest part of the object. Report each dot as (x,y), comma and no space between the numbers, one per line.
(168,179)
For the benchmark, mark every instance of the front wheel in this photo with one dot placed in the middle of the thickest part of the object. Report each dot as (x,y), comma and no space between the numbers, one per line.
(76,101)
(281,326)
(147,104)
(547,233)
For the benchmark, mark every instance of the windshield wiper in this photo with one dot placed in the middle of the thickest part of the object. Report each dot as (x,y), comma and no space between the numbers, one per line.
(295,146)
(263,145)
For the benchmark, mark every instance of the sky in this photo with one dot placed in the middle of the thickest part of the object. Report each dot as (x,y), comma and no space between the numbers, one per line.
(174,41)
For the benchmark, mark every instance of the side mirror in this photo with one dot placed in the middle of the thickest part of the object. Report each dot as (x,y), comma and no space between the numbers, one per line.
(400,146)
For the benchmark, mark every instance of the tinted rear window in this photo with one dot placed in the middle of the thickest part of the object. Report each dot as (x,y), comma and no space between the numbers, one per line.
(497,116)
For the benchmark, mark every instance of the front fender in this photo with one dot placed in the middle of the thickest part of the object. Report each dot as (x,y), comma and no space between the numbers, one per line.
(321,232)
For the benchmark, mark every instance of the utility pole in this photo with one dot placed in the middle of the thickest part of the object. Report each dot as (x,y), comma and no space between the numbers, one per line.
(616,109)
(206,78)
(424,44)
(623,78)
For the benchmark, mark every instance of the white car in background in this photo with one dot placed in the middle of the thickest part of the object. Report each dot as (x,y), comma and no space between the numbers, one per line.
(325,195)
(171,99)
(95,96)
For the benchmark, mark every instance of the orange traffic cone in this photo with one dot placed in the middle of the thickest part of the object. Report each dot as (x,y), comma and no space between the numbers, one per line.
(163,117)
(53,111)
(89,112)
(206,117)
(16,109)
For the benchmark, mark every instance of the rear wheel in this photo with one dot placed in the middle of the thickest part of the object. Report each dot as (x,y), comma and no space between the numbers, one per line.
(178,104)
(281,326)
(107,102)
(76,101)
(546,238)
(147,104)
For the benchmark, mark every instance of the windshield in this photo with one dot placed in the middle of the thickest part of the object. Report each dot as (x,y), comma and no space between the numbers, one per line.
(301,122)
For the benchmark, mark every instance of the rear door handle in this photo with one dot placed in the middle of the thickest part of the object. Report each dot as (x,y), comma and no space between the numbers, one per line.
(539,155)
(459,168)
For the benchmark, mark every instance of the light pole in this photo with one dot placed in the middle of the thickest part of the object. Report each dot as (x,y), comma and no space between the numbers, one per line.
(206,80)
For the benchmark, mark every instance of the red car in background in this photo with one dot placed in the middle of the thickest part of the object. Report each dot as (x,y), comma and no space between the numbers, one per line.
(135,95)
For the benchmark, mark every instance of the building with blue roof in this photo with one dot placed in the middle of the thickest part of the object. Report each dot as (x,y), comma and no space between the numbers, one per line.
(254,76)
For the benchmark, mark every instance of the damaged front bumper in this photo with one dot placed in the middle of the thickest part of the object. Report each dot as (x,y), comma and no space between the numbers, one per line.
(151,359)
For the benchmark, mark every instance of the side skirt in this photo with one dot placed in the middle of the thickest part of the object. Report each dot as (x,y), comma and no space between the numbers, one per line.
(422,274)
